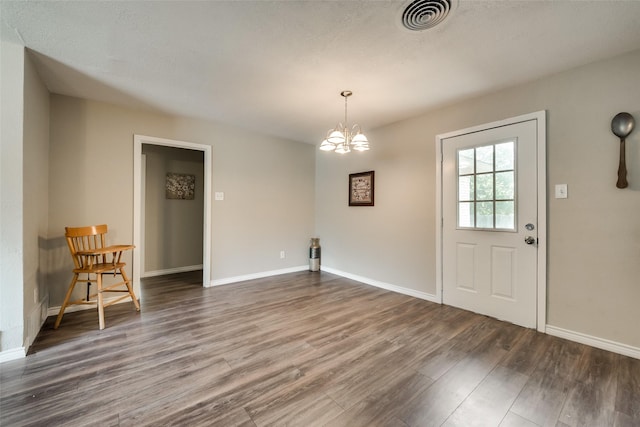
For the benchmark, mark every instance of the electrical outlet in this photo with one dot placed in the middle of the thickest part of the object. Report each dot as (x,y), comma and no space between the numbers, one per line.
(281,254)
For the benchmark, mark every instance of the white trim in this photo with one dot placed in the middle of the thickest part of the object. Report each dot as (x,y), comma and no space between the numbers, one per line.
(383,285)
(541,120)
(439,219)
(138,140)
(143,214)
(53,311)
(541,147)
(12,354)
(174,270)
(596,342)
(228,280)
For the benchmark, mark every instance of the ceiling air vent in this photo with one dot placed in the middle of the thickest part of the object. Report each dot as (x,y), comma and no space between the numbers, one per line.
(424,14)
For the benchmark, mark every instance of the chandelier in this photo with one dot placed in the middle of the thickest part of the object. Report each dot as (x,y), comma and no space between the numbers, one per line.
(342,138)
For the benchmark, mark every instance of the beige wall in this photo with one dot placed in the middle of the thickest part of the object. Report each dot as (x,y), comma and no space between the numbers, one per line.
(268,185)
(172,228)
(594,235)
(24,116)
(12,60)
(36,200)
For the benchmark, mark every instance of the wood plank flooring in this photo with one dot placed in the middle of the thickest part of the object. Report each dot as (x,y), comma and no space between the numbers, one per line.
(308,349)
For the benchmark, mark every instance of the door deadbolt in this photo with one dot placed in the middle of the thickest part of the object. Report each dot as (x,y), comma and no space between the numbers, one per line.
(530,227)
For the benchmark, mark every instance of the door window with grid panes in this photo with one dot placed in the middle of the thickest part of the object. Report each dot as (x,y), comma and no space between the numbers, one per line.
(486,187)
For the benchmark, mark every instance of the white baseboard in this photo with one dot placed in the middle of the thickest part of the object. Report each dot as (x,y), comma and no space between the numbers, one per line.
(601,343)
(53,311)
(228,280)
(581,338)
(12,354)
(171,271)
(383,285)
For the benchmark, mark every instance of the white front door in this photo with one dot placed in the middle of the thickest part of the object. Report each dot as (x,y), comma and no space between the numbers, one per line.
(490,222)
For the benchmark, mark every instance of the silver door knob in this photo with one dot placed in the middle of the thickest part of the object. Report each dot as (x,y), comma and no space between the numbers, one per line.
(529,240)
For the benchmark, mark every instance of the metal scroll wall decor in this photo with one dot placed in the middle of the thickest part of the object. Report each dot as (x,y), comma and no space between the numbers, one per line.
(621,126)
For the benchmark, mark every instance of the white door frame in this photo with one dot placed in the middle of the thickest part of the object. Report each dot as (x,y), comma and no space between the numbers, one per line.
(541,133)
(138,140)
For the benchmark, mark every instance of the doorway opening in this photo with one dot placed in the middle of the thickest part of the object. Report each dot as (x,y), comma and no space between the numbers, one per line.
(140,142)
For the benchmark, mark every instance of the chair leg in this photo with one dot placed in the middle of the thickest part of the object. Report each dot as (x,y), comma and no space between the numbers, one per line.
(66,300)
(130,288)
(100,301)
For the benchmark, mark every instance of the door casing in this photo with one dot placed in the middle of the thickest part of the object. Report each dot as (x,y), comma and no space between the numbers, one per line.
(138,140)
(540,118)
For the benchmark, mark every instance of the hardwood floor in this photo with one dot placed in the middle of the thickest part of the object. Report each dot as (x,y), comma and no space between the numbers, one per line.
(308,349)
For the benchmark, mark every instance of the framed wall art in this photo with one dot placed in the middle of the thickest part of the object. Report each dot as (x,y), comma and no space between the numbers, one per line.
(180,186)
(361,188)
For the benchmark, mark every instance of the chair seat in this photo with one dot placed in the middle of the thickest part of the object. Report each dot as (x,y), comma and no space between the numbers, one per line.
(100,268)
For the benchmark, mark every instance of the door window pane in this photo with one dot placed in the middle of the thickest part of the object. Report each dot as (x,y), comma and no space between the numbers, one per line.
(504,156)
(505,215)
(504,185)
(484,159)
(466,188)
(487,187)
(484,216)
(466,158)
(466,215)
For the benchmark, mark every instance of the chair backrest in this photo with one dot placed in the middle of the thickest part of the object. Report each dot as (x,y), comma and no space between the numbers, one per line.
(84,239)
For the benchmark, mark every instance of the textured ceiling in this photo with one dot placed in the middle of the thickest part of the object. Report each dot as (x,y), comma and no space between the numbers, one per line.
(278,66)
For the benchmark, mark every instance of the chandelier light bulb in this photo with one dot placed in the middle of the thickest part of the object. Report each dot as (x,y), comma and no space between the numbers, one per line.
(336,137)
(359,139)
(327,146)
(343,149)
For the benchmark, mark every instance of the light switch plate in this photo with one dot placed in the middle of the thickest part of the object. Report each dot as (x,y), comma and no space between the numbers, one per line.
(218,195)
(561,191)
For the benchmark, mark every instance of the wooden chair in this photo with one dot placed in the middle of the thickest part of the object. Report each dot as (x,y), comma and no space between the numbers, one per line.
(92,257)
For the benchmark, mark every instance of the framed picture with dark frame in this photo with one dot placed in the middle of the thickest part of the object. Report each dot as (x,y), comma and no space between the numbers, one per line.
(180,186)
(361,188)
